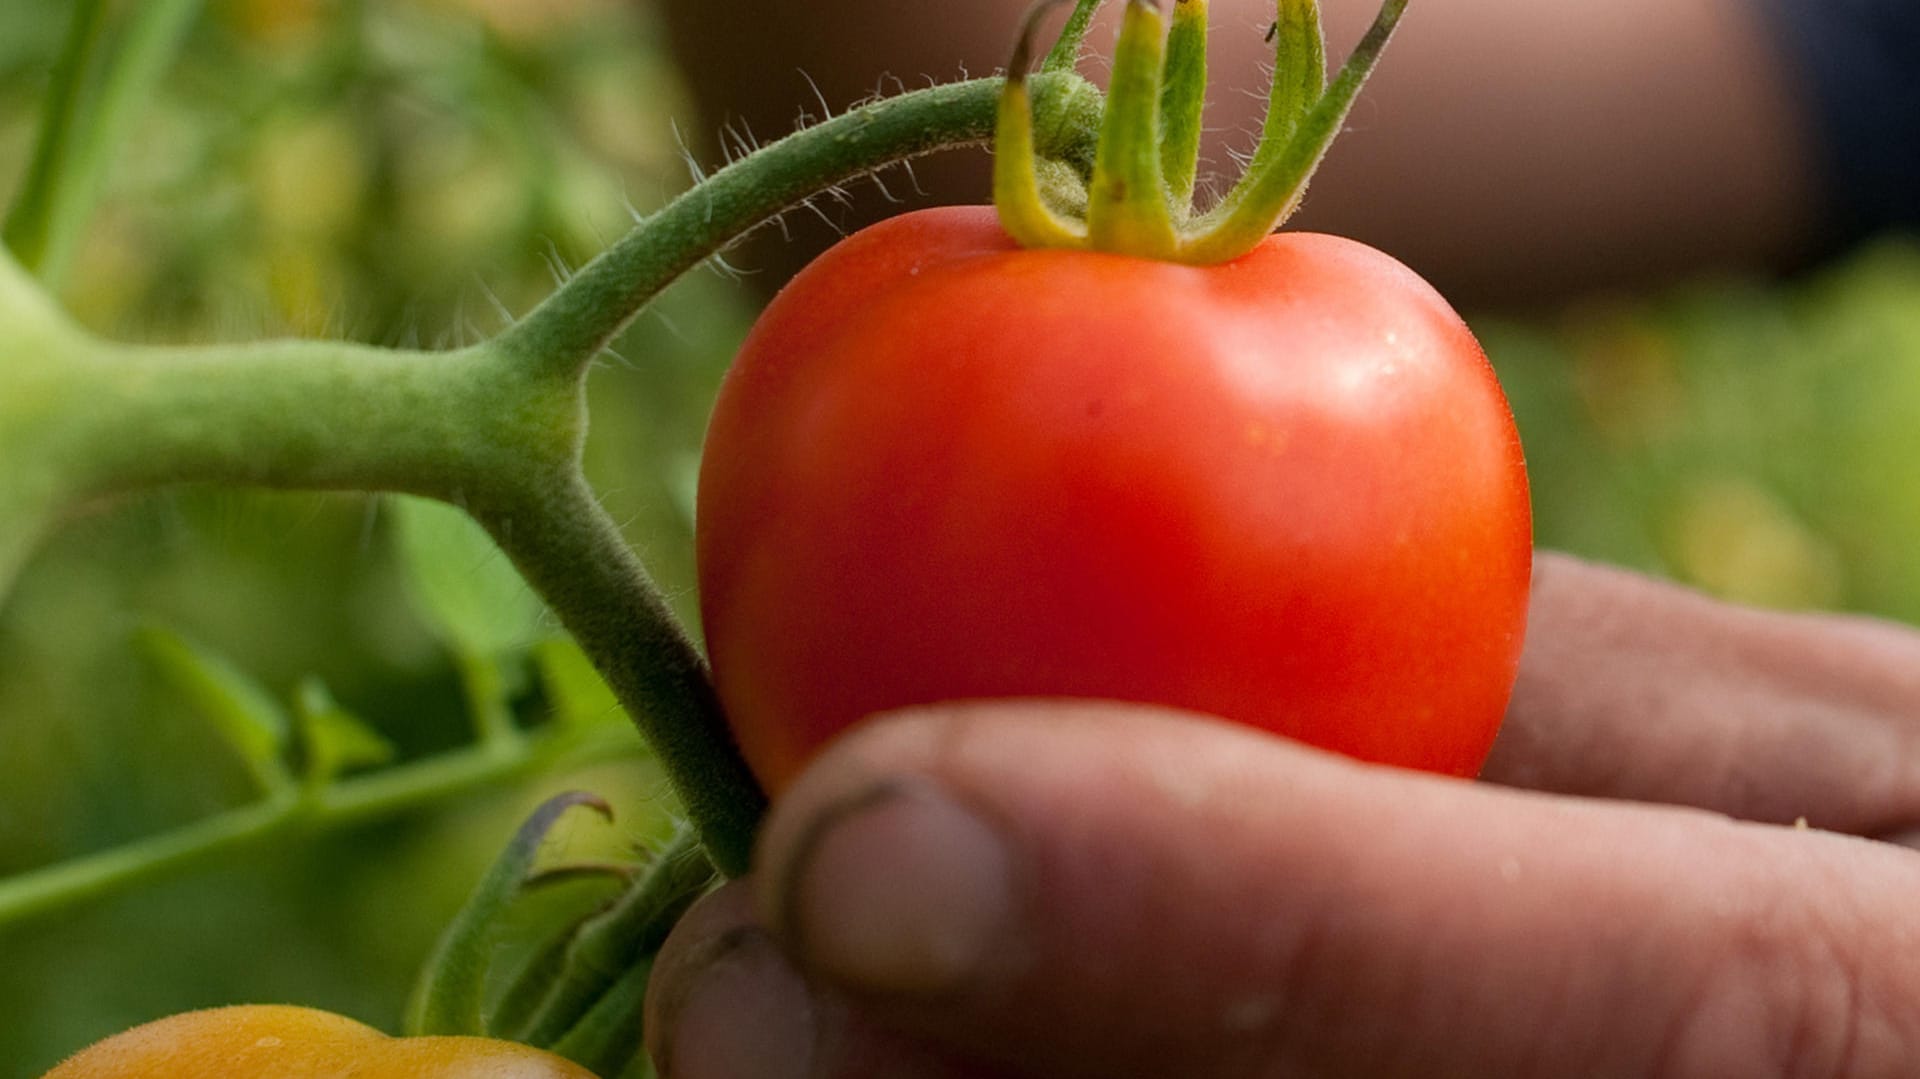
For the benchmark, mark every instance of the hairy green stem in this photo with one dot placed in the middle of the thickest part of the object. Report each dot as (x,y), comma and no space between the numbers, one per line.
(496,429)
(473,428)
(306,414)
(579,319)
(572,553)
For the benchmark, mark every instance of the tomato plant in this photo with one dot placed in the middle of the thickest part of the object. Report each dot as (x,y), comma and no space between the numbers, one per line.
(1283,488)
(1102,447)
(277,1042)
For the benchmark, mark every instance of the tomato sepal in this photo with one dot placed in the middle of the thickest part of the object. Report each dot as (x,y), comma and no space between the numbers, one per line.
(1140,198)
(448,998)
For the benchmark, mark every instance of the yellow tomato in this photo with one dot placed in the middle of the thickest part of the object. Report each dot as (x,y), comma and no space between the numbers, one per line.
(276,1042)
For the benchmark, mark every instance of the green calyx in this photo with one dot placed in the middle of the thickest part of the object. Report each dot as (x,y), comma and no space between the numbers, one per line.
(1140,198)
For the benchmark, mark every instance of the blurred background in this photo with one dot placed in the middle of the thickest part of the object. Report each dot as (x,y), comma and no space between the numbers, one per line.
(397,172)
(401,171)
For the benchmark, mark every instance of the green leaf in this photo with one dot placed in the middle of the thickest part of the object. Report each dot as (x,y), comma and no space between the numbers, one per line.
(450,996)
(1127,207)
(1066,48)
(335,740)
(1183,93)
(528,987)
(245,714)
(609,1035)
(595,979)
(1299,77)
(576,693)
(35,215)
(461,583)
(101,83)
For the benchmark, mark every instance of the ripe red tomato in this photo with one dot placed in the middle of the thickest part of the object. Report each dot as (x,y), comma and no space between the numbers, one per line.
(1286,490)
(275,1042)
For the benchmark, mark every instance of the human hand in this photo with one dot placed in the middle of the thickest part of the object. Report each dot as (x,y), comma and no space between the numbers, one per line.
(1073,888)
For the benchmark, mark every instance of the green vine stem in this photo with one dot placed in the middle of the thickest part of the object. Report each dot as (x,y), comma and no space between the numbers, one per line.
(572,553)
(496,429)
(577,321)
(298,810)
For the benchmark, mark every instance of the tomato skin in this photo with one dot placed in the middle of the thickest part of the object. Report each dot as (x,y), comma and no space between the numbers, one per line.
(1286,490)
(278,1042)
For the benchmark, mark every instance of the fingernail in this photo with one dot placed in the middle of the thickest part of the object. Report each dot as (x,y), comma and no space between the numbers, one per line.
(900,890)
(745,1015)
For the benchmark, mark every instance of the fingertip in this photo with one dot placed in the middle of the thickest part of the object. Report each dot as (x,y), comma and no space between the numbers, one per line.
(723,1002)
(895,888)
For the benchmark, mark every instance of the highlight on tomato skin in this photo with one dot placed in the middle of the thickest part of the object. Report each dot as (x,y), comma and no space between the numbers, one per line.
(1285,489)
(283,1042)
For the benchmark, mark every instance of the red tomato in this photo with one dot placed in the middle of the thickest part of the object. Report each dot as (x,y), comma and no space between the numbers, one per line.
(274,1042)
(1286,490)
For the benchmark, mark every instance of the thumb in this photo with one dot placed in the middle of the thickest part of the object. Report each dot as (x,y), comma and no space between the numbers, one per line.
(1066,889)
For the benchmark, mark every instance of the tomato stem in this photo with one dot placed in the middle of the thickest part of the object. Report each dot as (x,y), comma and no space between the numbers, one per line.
(1141,199)
(571,327)
(496,429)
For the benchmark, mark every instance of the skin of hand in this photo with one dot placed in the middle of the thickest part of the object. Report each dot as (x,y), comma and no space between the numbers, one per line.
(1059,889)
(1510,151)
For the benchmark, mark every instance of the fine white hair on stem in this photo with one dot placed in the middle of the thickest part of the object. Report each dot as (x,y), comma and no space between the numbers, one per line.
(826,110)
(494,301)
(813,204)
(693,165)
(619,359)
(557,264)
(913,177)
(668,323)
(718,263)
(881,184)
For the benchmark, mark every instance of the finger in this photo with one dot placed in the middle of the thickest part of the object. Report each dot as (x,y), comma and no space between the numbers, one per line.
(724,1003)
(1086,890)
(1632,688)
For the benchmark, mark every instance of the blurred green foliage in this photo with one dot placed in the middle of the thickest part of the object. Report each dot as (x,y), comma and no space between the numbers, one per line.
(1756,440)
(402,171)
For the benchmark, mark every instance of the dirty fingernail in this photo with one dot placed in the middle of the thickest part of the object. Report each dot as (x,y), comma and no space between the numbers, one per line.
(897,890)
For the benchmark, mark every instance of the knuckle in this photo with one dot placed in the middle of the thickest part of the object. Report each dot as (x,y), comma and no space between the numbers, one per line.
(1785,998)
